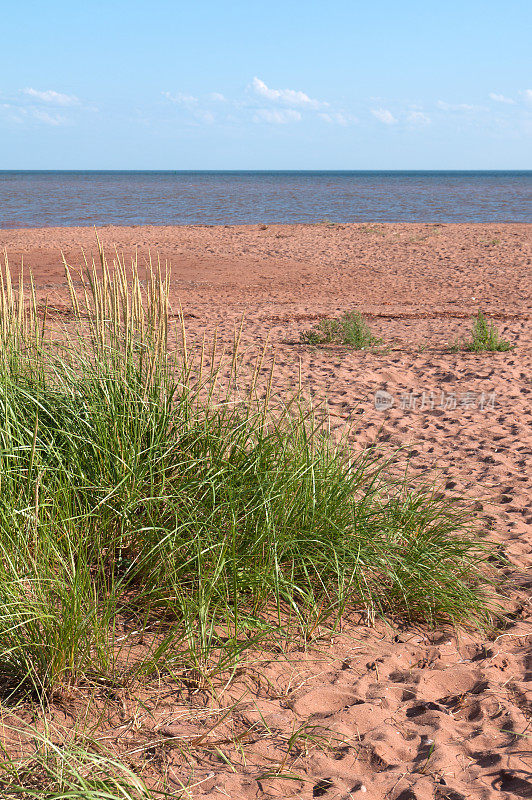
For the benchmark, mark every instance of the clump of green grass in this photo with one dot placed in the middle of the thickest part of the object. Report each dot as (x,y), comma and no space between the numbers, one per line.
(484,337)
(351,329)
(70,770)
(138,483)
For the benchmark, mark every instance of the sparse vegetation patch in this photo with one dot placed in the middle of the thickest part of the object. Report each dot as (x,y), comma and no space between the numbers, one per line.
(351,330)
(484,337)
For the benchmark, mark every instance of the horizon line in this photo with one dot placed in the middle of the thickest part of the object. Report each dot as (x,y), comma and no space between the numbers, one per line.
(264,170)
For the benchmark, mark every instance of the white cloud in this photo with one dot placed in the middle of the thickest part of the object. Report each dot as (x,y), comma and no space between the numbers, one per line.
(54,98)
(48,119)
(276,117)
(192,104)
(384,115)
(217,97)
(418,118)
(456,106)
(181,99)
(28,114)
(338,118)
(500,98)
(289,97)
(528,95)
(205,116)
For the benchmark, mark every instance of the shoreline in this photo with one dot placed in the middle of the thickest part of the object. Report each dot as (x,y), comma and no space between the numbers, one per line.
(248,225)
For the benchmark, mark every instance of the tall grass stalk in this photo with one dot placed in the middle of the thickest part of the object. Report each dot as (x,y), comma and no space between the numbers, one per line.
(139,483)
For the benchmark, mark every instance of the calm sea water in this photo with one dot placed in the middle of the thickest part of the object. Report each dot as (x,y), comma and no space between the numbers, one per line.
(42,199)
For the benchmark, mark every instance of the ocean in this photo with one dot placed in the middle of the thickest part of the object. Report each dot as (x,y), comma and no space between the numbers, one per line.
(57,198)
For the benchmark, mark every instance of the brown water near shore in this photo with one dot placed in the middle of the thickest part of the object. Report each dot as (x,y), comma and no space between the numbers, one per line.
(409,714)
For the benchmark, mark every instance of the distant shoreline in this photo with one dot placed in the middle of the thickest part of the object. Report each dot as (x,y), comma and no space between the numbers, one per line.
(91,228)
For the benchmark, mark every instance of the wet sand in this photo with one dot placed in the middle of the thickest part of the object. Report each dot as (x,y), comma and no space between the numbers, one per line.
(408,714)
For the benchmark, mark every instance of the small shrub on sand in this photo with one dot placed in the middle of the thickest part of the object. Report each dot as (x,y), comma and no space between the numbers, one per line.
(135,484)
(350,329)
(484,337)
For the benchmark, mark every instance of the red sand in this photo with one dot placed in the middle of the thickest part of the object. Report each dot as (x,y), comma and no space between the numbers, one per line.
(419,715)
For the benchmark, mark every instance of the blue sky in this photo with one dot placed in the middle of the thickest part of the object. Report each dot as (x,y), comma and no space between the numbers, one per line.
(382,84)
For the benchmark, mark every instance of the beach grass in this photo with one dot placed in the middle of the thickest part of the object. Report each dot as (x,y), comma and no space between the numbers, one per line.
(484,337)
(70,770)
(171,501)
(351,330)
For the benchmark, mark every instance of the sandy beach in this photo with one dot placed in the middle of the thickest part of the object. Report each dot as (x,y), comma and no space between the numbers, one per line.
(407,714)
